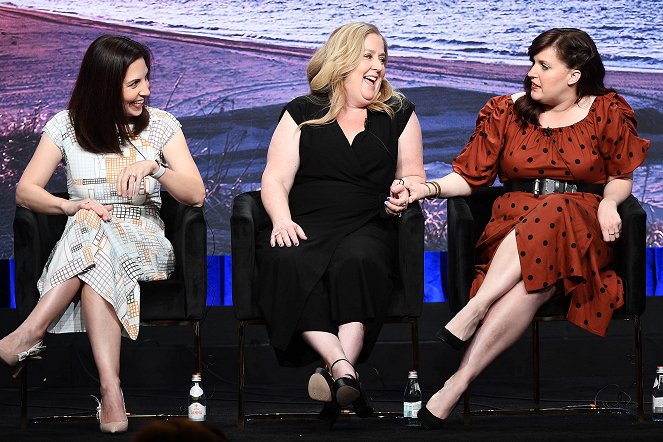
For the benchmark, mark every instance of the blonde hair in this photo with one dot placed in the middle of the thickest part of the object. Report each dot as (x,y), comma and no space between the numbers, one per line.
(334,61)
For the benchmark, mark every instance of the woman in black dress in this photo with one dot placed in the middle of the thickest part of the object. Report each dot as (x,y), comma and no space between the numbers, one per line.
(332,187)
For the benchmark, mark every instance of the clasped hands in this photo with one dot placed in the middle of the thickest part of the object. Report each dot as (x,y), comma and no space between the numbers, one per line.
(397,202)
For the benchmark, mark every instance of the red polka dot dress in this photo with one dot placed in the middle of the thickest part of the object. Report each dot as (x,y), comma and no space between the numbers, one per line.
(558,235)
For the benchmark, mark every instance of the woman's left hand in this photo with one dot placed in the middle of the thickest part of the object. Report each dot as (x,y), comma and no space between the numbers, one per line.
(609,220)
(397,203)
(129,179)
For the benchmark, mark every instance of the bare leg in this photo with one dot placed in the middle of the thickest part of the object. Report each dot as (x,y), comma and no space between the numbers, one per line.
(351,336)
(105,333)
(504,323)
(33,329)
(329,347)
(504,272)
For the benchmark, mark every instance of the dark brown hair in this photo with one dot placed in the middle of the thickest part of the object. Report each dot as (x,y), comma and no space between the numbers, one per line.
(577,50)
(96,106)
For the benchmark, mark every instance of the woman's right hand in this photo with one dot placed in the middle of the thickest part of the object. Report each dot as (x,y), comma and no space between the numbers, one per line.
(71,207)
(286,234)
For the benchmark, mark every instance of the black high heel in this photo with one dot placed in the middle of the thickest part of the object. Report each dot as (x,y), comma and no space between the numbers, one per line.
(320,385)
(361,406)
(454,341)
(346,389)
(428,420)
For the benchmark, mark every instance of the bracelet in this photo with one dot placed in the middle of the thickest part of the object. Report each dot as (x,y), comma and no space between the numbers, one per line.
(428,189)
(436,193)
(156,175)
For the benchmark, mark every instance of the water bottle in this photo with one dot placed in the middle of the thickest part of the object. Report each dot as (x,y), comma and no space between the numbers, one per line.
(657,396)
(412,400)
(197,402)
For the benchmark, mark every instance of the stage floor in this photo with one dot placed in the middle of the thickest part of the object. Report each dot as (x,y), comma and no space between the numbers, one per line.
(222,413)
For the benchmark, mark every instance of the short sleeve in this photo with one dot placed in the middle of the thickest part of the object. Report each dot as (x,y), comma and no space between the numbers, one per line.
(56,128)
(305,108)
(403,113)
(478,161)
(619,143)
(163,126)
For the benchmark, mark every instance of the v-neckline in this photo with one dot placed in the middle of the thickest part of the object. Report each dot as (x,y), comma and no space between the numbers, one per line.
(349,141)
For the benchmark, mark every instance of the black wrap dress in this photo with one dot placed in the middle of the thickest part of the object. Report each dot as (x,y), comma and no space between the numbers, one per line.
(344,271)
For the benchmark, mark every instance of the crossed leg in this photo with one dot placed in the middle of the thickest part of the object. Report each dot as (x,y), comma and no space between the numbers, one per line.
(33,329)
(347,345)
(505,322)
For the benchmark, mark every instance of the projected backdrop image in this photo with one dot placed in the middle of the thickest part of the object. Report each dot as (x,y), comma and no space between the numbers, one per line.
(225,69)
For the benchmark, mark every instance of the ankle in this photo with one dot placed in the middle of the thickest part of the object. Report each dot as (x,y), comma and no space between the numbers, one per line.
(342,368)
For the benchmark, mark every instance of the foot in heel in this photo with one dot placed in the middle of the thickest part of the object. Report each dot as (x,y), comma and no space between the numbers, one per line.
(454,341)
(346,389)
(428,420)
(119,426)
(320,385)
(361,405)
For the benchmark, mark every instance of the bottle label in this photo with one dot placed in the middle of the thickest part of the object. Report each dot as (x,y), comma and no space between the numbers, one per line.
(195,391)
(657,405)
(197,412)
(411,409)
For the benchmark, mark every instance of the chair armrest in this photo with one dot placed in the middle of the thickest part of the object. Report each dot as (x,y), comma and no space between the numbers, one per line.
(35,235)
(27,260)
(411,259)
(192,254)
(186,229)
(248,215)
(631,252)
(461,234)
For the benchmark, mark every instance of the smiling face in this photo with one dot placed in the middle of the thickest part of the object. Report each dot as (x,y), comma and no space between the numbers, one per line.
(363,83)
(135,87)
(552,81)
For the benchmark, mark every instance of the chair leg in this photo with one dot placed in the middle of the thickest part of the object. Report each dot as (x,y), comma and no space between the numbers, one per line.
(467,417)
(638,367)
(414,325)
(536,361)
(23,393)
(240,364)
(197,348)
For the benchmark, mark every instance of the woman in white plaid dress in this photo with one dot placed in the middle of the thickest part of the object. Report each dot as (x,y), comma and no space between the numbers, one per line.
(114,149)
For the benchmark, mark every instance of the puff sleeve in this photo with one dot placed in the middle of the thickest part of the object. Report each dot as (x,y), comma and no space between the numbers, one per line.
(478,162)
(619,143)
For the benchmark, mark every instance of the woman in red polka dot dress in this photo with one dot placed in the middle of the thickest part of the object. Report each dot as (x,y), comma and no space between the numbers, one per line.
(565,149)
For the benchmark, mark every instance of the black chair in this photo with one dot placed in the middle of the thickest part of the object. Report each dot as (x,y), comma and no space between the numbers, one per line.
(179,300)
(249,214)
(467,218)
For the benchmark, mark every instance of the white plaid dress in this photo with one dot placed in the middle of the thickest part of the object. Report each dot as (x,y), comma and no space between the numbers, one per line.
(111,257)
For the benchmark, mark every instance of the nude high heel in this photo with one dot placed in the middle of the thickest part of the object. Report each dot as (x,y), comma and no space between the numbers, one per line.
(111,427)
(20,359)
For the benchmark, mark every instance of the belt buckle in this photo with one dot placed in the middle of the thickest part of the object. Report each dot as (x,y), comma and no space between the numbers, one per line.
(544,186)
(571,187)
